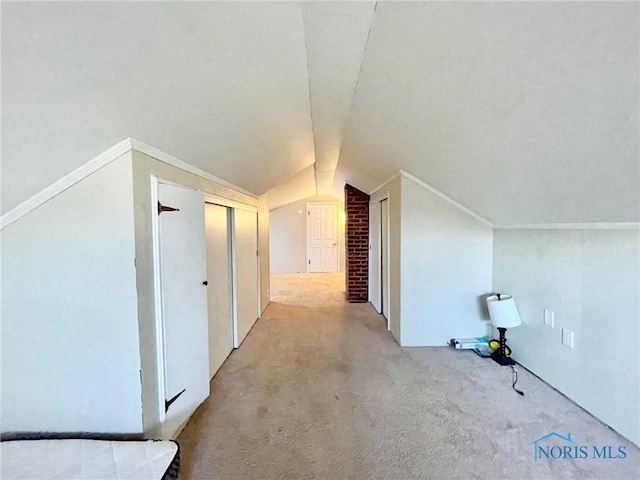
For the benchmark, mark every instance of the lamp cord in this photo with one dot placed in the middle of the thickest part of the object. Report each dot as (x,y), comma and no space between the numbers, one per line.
(514,380)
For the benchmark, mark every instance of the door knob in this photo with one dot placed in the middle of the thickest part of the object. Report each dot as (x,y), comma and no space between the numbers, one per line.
(205,283)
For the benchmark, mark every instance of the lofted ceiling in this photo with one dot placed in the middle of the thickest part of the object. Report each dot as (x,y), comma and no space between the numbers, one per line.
(524,112)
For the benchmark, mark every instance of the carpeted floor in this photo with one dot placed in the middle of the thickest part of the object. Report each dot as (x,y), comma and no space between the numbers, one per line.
(319,389)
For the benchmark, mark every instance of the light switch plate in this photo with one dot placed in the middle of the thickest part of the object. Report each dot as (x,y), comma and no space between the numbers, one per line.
(567,337)
(549,318)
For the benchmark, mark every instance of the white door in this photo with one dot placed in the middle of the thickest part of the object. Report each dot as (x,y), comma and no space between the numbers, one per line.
(245,247)
(374,256)
(322,237)
(219,288)
(384,258)
(183,271)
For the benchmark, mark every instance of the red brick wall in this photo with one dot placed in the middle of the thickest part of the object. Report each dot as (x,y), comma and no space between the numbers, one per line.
(356,207)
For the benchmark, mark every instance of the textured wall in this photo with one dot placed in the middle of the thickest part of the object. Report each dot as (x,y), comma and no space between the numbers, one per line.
(356,206)
(70,348)
(590,279)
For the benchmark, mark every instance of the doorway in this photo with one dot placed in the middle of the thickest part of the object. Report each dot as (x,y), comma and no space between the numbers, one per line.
(181,299)
(322,237)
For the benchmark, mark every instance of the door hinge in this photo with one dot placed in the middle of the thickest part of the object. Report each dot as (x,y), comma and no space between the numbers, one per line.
(309,212)
(309,262)
(163,208)
(167,403)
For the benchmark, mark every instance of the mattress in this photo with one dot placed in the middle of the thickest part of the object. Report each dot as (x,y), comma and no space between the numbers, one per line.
(76,459)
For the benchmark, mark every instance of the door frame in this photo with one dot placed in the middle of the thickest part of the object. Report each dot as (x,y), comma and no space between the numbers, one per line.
(158,306)
(159,319)
(376,230)
(337,224)
(160,369)
(385,273)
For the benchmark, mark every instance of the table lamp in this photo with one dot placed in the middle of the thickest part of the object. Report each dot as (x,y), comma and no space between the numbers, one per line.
(504,314)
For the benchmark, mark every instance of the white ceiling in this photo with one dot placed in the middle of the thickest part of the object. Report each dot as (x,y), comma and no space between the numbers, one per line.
(524,112)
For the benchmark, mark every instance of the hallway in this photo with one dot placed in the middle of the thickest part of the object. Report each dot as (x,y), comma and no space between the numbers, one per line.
(320,389)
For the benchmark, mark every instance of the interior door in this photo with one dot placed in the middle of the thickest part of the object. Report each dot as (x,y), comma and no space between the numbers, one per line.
(384,258)
(219,288)
(183,270)
(245,247)
(374,256)
(322,237)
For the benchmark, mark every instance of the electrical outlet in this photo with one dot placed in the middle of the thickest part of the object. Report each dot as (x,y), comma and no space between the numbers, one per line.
(567,337)
(549,318)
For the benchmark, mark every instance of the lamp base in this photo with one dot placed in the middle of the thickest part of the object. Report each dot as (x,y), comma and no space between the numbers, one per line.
(500,355)
(502,359)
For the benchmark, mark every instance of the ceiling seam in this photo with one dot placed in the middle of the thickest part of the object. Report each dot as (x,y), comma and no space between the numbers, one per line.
(306,46)
(355,87)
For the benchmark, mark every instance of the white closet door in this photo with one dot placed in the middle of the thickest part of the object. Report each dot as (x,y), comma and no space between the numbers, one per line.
(374,256)
(246,270)
(219,289)
(384,259)
(183,269)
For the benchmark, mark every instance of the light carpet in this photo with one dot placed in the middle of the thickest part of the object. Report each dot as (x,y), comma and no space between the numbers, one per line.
(320,389)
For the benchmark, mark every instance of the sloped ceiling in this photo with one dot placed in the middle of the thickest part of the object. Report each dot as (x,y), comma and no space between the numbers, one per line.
(223,86)
(524,112)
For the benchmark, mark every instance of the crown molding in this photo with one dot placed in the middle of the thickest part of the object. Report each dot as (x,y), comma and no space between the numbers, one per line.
(446,198)
(171,160)
(95,164)
(570,226)
(385,183)
(65,182)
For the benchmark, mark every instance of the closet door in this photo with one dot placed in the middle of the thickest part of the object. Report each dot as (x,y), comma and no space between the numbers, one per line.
(183,270)
(374,256)
(245,229)
(220,285)
(384,260)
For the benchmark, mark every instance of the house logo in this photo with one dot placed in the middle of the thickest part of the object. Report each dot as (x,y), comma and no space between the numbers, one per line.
(555,446)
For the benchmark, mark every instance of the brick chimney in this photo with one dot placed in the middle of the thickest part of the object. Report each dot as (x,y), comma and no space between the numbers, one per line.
(356,206)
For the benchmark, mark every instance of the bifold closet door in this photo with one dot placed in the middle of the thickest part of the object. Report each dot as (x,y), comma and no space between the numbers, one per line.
(220,285)
(374,256)
(384,259)
(245,225)
(183,273)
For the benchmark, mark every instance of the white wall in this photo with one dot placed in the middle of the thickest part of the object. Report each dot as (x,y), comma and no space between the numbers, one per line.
(392,192)
(288,236)
(70,350)
(590,279)
(264,248)
(446,268)
(143,167)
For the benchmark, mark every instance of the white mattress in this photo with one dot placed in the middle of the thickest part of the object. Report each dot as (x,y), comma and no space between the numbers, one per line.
(85,459)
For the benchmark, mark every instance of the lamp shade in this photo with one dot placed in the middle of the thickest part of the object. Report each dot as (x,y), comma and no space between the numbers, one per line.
(503,312)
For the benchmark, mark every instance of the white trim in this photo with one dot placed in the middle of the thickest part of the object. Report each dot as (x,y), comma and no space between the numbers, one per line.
(446,198)
(385,183)
(157,295)
(65,182)
(95,164)
(386,244)
(225,202)
(171,160)
(234,277)
(570,226)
